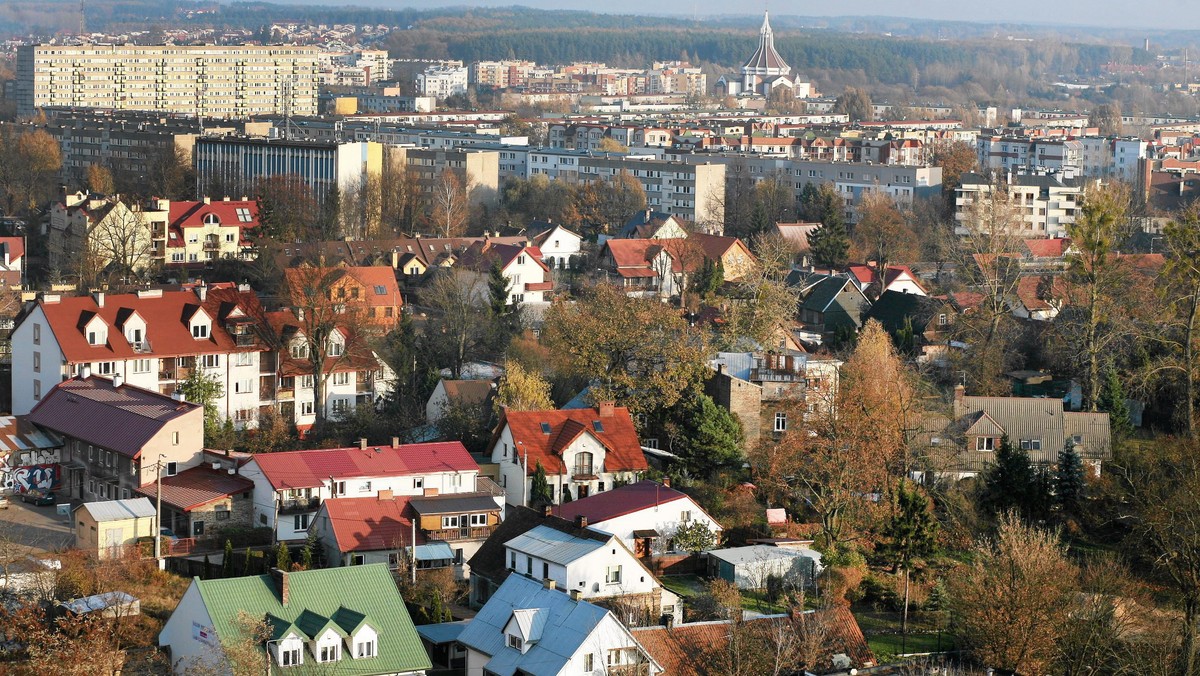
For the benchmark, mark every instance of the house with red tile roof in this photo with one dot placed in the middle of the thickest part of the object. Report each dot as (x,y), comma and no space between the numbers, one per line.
(290,486)
(899,278)
(644,515)
(199,501)
(153,339)
(372,290)
(12,265)
(188,234)
(583,451)
(529,278)
(117,437)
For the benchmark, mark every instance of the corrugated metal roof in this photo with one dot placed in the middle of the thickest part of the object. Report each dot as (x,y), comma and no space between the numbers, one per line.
(442,504)
(754,553)
(117,510)
(552,545)
(16,434)
(445,632)
(434,551)
(568,622)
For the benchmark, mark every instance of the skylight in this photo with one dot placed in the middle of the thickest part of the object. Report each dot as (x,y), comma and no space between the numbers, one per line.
(380,290)
(598,426)
(545,428)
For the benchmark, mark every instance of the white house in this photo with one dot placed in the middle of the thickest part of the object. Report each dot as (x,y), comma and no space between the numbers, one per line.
(557,244)
(529,278)
(289,487)
(644,515)
(749,567)
(595,565)
(532,628)
(448,393)
(583,451)
(333,620)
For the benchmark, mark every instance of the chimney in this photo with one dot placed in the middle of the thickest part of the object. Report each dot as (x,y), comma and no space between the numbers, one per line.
(281,579)
(959,392)
(547,583)
(580,521)
(98,296)
(666,481)
(86,371)
(202,291)
(385,494)
(606,409)
(574,593)
(117,381)
(429,492)
(668,621)
(395,442)
(362,444)
(547,510)
(207,200)
(177,395)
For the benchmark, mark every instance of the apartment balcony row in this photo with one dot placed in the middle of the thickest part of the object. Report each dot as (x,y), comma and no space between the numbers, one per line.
(296,505)
(453,534)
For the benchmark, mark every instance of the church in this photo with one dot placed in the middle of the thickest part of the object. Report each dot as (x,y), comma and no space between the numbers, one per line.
(764,72)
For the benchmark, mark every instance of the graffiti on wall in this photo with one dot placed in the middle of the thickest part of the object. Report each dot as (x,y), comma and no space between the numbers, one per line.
(22,471)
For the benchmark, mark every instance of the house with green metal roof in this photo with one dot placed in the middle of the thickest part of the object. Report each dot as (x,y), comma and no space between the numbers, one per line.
(336,621)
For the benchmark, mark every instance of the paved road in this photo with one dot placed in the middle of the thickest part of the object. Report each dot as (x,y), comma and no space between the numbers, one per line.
(39,528)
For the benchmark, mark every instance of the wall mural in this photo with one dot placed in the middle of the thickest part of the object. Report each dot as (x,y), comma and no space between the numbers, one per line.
(26,470)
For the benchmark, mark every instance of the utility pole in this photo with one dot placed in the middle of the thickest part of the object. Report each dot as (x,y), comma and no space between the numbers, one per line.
(158,509)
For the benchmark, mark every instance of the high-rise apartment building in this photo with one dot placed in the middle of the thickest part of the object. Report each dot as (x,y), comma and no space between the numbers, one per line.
(214,81)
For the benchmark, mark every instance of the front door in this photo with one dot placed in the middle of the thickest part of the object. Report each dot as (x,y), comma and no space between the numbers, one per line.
(582,492)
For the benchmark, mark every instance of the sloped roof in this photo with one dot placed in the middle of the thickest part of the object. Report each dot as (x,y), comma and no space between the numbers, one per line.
(122,419)
(18,434)
(1042,292)
(481,255)
(13,246)
(309,469)
(1039,418)
(198,486)
(623,450)
(765,55)
(468,392)
(489,561)
(554,545)
(567,621)
(1047,248)
(377,281)
(619,501)
(371,524)
(368,590)
(118,510)
(892,308)
(797,234)
(167,330)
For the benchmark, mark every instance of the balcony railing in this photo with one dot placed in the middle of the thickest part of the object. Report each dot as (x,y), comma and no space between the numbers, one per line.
(292,505)
(470,533)
(583,472)
(285,394)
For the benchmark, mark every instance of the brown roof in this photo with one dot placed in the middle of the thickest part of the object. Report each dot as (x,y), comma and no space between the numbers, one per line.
(623,450)
(468,392)
(198,486)
(371,524)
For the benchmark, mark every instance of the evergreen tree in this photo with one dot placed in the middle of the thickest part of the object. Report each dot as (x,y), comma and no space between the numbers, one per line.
(909,535)
(227,560)
(1112,401)
(246,562)
(539,489)
(283,557)
(207,568)
(497,285)
(830,245)
(712,437)
(1010,482)
(1069,485)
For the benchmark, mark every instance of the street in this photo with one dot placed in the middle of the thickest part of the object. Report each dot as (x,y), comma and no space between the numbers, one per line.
(38,528)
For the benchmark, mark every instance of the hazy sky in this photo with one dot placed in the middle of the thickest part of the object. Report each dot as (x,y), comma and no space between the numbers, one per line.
(1165,14)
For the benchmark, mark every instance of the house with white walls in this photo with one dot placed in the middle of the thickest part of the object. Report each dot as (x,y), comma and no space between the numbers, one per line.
(529,278)
(290,486)
(557,244)
(644,515)
(583,451)
(529,627)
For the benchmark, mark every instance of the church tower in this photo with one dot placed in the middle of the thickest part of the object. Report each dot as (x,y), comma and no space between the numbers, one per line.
(765,64)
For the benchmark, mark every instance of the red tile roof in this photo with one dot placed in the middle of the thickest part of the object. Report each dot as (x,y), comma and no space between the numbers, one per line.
(166,317)
(122,419)
(1037,292)
(14,246)
(308,469)
(1047,248)
(198,486)
(377,281)
(619,501)
(191,214)
(371,524)
(623,450)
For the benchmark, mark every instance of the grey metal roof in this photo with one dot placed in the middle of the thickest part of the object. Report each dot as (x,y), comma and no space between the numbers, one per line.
(568,622)
(754,553)
(1035,418)
(444,632)
(116,510)
(553,545)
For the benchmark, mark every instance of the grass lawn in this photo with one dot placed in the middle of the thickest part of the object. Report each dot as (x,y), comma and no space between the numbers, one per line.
(895,644)
(684,585)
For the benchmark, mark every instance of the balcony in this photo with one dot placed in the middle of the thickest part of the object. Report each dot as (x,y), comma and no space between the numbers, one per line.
(469,533)
(583,473)
(285,394)
(768,375)
(364,383)
(294,505)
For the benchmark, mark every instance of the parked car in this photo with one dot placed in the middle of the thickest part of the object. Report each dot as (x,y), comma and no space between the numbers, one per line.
(3,502)
(39,498)
(168,534)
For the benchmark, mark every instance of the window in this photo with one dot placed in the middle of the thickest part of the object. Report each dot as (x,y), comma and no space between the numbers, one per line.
(172,468)
(243,214)
(1031,444)
(685,516)
(229,238)
(341,405)
(450,521)
(329,653)
(299,350)
(210,361)
(244,359)
(479,519)
(336,348)
(199,330)
(985,443)
(545,570)
(780,421)
(589,662)
(366,649)
(222,514)
(306,408)
(515,641)
(37,362)
(92,338)
(512,560)
(341,378)
(197,528)
(942,320)
(289,658)
(37,334)
(104,368)
(300,522)
(419,482)
(37,389)
(612,575)
(141,365)
(174,438)
(243,386)
(365,487)
(529,566)
(306,381)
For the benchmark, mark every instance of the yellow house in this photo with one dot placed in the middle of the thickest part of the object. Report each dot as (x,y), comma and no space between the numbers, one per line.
(107,529)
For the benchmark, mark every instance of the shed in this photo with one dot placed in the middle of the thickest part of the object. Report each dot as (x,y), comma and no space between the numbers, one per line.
(108,604)
(749,567)
(107,528)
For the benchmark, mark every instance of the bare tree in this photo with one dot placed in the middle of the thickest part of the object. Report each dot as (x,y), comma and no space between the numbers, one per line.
(122,242)
(449,204)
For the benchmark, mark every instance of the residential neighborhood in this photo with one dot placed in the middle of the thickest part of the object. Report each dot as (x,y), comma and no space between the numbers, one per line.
(562,341)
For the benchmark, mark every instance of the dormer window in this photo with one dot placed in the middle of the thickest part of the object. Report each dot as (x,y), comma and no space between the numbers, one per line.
(93,338)
(364,649)
(330,653)
(212,219)
(199,331)
(515,641)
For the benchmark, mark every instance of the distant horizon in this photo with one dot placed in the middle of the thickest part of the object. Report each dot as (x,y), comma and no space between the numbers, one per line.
(1162,15)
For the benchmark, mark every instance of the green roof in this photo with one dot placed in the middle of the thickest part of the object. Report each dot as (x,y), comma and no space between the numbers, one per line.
(343,596)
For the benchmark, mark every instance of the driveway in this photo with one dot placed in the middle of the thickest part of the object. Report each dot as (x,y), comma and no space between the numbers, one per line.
(39,528)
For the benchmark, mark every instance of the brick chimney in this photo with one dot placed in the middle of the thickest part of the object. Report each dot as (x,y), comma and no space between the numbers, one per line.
(395,442)
(666,481)
(547,510)
(606,409)
(580,521)
(959,392)
(547,583)
(281,580)
(362,444)
(385,494)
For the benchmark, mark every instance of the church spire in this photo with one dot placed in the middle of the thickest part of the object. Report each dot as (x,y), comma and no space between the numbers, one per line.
(765,31)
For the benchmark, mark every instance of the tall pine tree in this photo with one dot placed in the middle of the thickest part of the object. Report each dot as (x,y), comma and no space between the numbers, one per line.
(830,245)
(1069,485)
(1011,482)
(1112,401)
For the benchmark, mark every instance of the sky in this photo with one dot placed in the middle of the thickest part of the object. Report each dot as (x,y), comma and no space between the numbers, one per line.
(1161,14)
